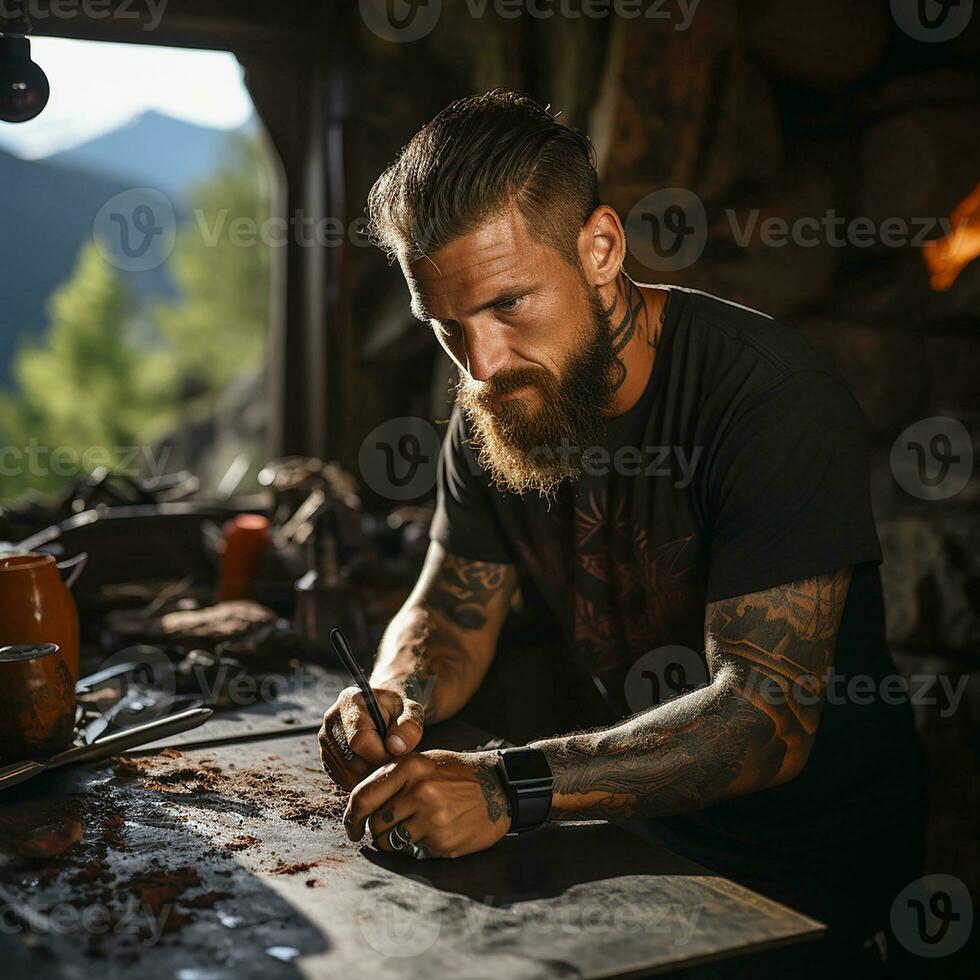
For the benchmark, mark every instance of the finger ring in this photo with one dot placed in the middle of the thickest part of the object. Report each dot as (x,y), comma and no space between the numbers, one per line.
(399,839)
(418,852)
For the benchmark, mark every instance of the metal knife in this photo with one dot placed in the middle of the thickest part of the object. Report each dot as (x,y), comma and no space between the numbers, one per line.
(109,746)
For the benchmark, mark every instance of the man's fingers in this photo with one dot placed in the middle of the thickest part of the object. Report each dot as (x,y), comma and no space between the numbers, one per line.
(380,787)
(343,767)
(411,827)
(362,735)
(406,732)
(395,811)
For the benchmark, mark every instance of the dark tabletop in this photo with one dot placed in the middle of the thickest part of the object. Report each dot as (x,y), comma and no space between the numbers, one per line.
(230,861)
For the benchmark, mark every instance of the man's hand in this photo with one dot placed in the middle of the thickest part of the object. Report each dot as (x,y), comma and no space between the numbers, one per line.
(450,803)
(350,746)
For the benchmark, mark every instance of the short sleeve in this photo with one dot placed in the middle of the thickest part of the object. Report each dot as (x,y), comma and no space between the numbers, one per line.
(465,522)
(789,489)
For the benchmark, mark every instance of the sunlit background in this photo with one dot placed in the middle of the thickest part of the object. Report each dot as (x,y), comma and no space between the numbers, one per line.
(102,355)
(98,87)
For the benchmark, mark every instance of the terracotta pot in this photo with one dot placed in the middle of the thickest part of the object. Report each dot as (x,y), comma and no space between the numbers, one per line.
(36,606)
(37,702)
(245,539)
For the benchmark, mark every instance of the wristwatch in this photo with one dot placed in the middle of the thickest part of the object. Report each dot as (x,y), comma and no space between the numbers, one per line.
(528,783)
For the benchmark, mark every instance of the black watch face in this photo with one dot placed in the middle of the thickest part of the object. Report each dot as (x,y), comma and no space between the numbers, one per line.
(526,765)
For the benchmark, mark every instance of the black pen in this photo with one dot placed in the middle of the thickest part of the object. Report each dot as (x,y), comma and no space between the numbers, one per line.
(343,649)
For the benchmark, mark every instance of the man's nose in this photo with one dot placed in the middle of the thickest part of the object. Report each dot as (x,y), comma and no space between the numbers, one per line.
(485,350)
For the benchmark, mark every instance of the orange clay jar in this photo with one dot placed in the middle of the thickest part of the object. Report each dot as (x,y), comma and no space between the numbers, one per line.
(36,607)
(37,702)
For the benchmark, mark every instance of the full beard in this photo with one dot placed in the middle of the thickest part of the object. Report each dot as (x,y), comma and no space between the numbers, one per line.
(527,446)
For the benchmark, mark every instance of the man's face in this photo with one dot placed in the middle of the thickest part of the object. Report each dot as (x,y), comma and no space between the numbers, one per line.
(532,344)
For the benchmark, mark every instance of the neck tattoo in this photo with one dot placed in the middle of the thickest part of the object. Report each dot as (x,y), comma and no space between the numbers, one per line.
(634,318)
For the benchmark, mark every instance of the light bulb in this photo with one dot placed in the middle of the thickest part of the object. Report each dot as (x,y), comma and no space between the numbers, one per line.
(24,88)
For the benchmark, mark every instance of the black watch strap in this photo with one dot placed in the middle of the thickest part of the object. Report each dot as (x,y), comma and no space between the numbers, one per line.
(528,783)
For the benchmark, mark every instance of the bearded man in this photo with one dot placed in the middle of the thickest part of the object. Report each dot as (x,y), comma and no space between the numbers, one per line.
(650,467)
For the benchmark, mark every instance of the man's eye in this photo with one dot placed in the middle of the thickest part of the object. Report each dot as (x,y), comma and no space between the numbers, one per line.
(509,305)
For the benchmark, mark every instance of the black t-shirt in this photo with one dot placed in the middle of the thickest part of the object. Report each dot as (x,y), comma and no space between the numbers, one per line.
(743,466)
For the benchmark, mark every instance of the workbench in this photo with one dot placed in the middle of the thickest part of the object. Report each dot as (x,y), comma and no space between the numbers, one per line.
(231,862)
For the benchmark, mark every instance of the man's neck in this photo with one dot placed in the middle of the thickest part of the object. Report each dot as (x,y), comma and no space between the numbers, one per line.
(635,316)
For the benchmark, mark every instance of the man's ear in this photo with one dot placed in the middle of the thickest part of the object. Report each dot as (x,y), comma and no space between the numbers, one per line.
(602,246)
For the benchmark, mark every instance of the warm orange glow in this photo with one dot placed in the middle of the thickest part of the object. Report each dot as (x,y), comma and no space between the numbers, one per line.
(947,257)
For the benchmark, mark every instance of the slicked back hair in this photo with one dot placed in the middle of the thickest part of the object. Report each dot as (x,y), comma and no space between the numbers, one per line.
(480,157)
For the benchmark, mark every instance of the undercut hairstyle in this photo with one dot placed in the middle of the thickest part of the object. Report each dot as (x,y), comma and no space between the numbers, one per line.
(481,157)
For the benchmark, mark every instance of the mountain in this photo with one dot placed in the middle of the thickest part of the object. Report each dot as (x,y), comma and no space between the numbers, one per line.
(46,214)
(47,208)
(152,150)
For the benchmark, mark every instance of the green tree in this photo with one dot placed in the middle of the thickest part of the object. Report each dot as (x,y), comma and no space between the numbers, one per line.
(89,391)
(107,376)
(218,327)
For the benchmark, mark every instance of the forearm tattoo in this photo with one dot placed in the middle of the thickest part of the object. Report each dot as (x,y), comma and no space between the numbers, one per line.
(768,654)
(433,640)
(463,589)
(493,793)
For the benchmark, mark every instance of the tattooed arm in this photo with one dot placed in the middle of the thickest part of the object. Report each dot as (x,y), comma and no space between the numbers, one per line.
(749,729)
(438,647)
(432,658)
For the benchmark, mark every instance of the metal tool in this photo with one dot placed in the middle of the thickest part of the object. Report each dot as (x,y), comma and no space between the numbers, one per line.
(343,649)
(86,684)
(109,746)
(132,707)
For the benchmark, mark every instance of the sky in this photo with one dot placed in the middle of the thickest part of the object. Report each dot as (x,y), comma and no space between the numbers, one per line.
(96,87)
